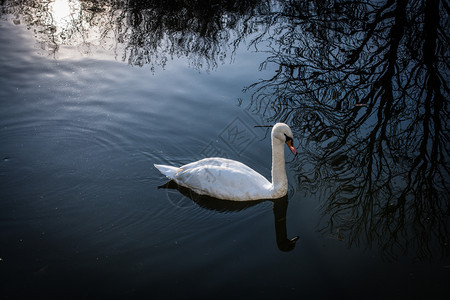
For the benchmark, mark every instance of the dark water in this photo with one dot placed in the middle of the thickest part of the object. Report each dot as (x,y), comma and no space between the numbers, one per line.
(92,94)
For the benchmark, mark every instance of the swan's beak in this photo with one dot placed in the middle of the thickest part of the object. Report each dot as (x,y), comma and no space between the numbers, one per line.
(290,144)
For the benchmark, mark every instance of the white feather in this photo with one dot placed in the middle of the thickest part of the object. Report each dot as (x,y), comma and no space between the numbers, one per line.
(232,180)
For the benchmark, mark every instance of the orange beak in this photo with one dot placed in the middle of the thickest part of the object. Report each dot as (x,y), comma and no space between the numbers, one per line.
(290,144)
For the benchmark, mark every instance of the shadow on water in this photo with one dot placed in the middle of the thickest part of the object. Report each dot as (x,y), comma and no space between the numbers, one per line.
(279,210)
(363,85)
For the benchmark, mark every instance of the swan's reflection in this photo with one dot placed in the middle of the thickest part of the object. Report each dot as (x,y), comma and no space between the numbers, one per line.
(279,210)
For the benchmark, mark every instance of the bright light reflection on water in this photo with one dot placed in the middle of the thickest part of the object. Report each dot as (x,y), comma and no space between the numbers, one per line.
(64,13)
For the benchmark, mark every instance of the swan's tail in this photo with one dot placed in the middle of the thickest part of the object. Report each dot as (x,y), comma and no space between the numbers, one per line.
(169,171)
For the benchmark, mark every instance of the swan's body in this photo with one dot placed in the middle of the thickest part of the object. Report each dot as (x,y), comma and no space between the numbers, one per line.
(231,180)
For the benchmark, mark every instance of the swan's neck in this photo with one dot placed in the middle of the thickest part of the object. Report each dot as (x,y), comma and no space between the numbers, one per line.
(279,178)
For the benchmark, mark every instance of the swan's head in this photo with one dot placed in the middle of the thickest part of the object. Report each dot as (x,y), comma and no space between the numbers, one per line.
(283,133)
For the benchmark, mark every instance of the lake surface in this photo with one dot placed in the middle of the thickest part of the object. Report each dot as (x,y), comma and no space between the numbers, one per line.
(92,94)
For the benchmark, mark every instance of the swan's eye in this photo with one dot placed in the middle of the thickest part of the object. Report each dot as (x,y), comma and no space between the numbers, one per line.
(288,138)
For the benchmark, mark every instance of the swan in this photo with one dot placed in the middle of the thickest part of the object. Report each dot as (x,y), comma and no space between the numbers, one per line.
(228,179)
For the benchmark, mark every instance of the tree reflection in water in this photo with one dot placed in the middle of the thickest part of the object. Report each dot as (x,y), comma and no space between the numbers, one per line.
(363,83)
(141,32)
(366,87)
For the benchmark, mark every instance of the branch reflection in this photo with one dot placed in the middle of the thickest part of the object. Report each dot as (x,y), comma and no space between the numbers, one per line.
(365,85)
(141,32)
(279,210)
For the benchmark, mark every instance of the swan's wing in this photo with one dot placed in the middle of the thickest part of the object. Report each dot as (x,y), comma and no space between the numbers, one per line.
(220,163)
(223,179)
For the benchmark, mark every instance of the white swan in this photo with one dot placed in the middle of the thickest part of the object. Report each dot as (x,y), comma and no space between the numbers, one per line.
(231,180)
